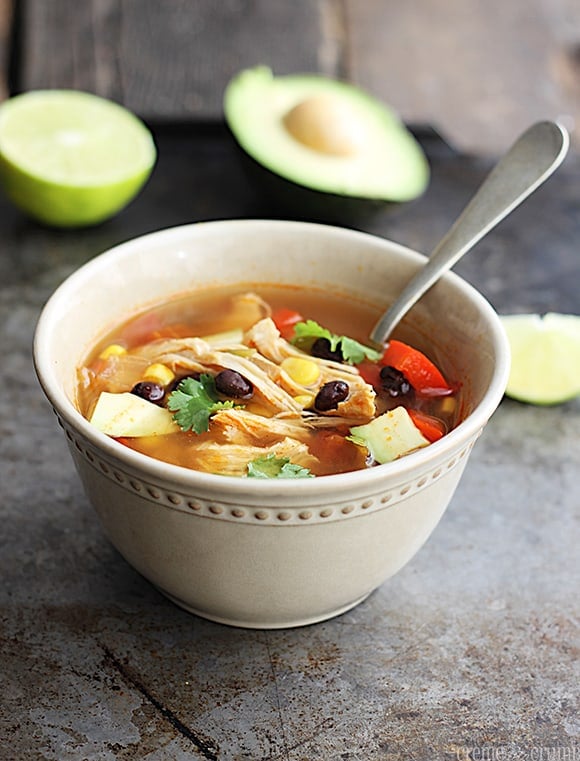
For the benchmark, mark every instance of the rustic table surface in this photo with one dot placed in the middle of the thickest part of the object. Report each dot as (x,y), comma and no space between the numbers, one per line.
(471,651)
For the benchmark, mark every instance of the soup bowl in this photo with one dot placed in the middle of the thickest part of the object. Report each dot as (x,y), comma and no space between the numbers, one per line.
(269,553)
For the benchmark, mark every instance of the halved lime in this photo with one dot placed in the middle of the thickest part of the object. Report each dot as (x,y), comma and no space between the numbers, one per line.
(545,366)
(69,158)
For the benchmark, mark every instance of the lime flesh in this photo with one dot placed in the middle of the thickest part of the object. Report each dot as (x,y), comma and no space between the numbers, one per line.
(70,158)
(545,365)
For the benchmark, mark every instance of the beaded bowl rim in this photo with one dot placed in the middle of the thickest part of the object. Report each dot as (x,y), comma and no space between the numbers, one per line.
(220,507)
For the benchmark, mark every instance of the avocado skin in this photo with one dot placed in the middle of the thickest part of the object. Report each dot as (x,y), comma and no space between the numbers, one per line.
(307,169)
(292,200)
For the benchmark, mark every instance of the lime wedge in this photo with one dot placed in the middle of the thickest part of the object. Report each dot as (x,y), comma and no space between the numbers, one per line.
(70,158)
(545,367)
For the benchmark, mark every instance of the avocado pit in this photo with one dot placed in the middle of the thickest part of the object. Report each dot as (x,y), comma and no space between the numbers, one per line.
(325,124)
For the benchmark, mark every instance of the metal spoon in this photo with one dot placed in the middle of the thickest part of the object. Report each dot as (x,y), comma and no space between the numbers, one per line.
(527,164)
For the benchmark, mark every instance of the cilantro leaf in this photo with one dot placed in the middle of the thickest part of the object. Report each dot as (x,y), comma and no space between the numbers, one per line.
(310,329)
(352,351)
(271,466)
(194,401)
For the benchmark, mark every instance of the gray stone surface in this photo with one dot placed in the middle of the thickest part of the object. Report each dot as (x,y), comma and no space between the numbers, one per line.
(470,652)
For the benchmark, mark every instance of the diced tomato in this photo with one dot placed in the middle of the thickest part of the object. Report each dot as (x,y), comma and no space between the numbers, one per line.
(285,320)
(370,373)
(431,427)
(421,373)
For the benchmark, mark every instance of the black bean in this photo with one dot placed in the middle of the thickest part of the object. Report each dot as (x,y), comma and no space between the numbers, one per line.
(152,392)
(394,382)
(233,384)
(321,348)
(329,395)
(174,386)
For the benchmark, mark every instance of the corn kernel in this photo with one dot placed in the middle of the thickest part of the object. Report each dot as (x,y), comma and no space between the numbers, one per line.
(304,400)
(302,371)
(159,373)
(113,350)
(448,405)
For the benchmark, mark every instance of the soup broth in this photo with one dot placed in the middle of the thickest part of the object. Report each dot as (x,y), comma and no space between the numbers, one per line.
(263,382)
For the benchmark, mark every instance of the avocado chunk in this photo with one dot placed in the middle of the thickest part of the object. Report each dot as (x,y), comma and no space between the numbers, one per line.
(389,436)
(329,138)
(129,415)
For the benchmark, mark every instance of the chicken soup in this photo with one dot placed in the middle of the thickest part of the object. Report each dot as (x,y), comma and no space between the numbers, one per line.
(265,382)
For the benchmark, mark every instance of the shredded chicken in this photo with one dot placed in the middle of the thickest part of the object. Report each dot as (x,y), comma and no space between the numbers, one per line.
(233,459)
(266,339)
(239,426)
(196,355)
(258,359)
(249,308)
(360,403)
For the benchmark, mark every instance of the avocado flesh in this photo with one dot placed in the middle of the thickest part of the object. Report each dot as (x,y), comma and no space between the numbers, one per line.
(324,135)
(389,436)
(127,415)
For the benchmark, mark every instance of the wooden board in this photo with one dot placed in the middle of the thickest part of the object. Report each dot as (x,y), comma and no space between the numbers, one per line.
(5,29)
(168,60)
(480,72)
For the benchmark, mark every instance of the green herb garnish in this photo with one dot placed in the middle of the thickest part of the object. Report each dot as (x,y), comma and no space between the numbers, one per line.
(352,351)
(271,466)
(309,330)
(355,352)
(194,401)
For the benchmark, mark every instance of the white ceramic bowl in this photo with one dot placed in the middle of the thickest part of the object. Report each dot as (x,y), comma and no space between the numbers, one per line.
(250,552)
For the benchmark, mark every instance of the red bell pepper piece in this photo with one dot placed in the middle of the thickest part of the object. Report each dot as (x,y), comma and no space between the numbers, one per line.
(422,374)
(285,319)
(431,427)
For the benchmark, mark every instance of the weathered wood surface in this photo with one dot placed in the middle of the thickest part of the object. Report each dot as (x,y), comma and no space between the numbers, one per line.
(165,60)
(480,72)
(5,28)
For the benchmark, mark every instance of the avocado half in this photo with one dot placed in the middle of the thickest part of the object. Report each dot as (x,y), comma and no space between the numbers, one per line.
(323,149)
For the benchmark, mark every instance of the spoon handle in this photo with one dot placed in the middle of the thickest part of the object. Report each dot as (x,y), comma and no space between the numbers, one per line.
(527,164)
